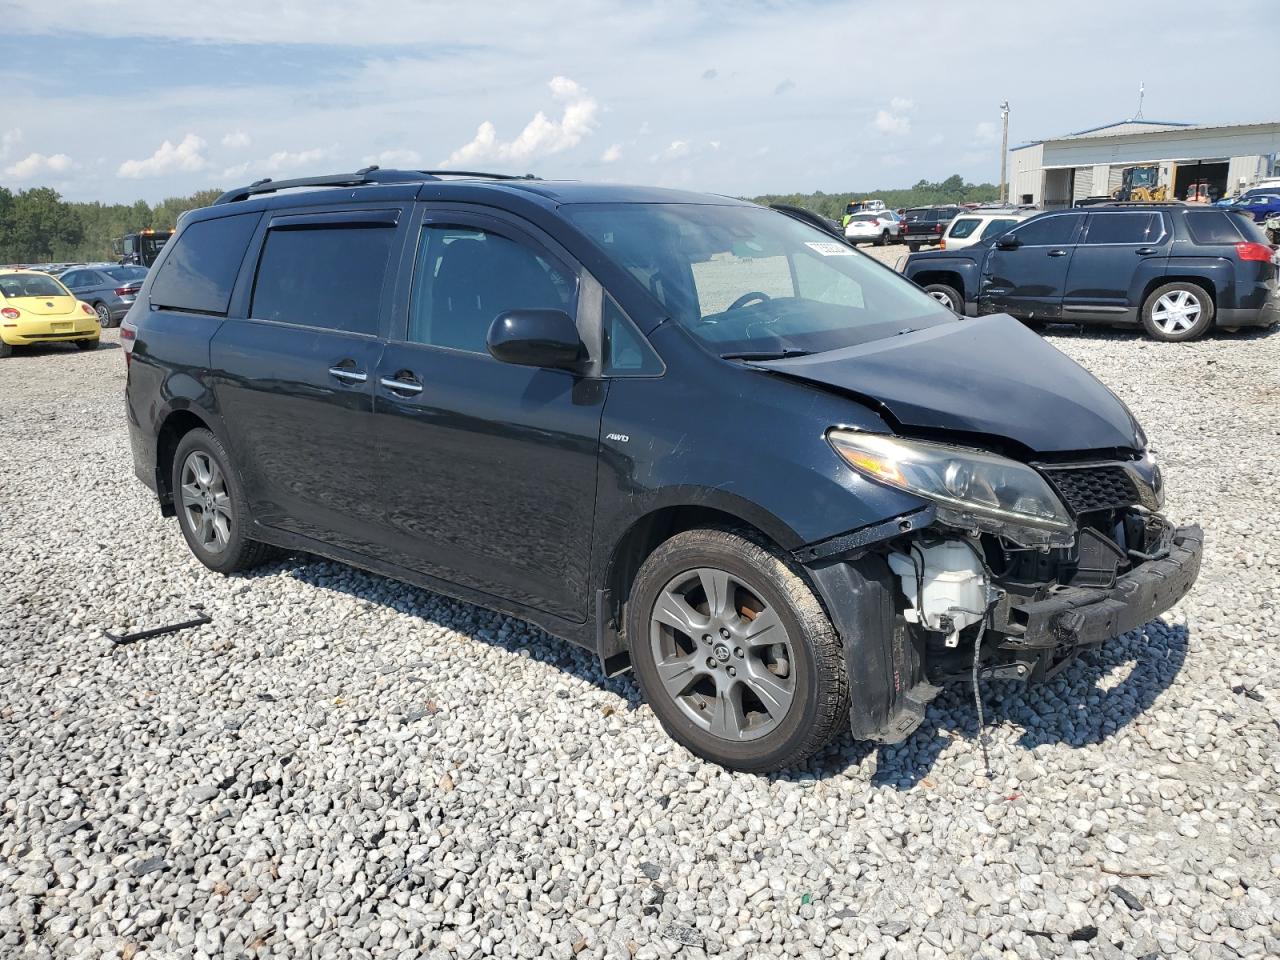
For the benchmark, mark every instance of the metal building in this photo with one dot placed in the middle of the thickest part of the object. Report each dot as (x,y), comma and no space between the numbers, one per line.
(1175,161)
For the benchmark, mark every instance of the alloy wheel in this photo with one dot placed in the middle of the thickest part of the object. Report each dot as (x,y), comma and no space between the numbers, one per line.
(206,502)
(942,298)
(104,315)
(722,654)
(1176,312)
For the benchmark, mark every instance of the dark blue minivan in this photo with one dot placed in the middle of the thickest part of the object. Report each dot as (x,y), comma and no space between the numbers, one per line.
(706,440)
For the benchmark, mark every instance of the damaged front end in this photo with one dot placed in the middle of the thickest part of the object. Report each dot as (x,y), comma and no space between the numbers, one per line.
(1008,573)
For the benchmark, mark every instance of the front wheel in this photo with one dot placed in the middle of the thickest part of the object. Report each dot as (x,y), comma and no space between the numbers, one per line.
(946,295)
(211,507)
(1177,312)
(734,653)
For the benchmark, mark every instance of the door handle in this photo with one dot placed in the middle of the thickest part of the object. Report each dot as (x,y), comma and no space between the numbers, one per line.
(403,383)
(1057,253)
(348,375)
(1146,251)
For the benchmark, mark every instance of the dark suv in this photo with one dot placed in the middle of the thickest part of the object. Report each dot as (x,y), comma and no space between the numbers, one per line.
(1177,270)
(703,439)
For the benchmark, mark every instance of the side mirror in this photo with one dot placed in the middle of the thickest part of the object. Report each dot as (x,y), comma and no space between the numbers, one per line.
(536,338)
(1007,242)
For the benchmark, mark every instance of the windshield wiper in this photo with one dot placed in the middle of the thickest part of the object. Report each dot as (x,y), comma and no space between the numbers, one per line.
(766,354)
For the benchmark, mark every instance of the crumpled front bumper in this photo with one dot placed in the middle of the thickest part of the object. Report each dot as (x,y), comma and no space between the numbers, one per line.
(1083,616)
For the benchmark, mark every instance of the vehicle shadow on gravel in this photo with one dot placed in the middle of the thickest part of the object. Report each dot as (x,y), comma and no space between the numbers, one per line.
(1102,691)
(1088,331)
(476,622)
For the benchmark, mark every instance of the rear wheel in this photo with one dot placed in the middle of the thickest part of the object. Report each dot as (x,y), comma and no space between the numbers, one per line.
(913,247)
(88,344)
(211,508)
(1177,311)
(6,349)
(734,653)
(884,238)
(948,296)
(104,314)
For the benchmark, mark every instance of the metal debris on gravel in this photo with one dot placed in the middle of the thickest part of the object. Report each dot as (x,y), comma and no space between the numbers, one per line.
(425,778)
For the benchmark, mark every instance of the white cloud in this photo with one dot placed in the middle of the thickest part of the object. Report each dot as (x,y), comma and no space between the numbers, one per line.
(541,136)
(674,151)
(396,158)
(186,156)
(613,154)
(9,139)
(986,132)
(236,139)
(236,170)
(891,124)
(287,160)
(35,164)
(894,121)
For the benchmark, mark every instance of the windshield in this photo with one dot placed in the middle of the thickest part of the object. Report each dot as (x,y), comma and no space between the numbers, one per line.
(30,285)
(745,280)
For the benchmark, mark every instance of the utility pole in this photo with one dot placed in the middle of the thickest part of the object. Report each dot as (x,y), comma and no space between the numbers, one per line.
(1004,152)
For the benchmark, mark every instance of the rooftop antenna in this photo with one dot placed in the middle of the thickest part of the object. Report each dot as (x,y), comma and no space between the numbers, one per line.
(1142,92)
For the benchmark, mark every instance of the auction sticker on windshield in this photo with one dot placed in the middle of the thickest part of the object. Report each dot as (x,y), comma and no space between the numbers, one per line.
(829,249)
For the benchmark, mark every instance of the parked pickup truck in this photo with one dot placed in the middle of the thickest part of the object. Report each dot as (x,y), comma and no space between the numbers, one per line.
(1177,270)
(926,225)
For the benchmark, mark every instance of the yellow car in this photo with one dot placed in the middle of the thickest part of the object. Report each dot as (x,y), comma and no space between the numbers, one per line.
(35,308)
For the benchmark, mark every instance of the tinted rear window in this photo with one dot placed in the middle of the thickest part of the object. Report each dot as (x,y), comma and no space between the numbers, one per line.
(126,273)
(17,285)
(323,277)
(201,269)
(1212,226)
(1131,227)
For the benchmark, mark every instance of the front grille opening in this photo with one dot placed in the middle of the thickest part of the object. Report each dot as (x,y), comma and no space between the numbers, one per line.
(1088,489)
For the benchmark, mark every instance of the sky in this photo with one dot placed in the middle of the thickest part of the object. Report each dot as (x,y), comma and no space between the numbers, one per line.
(116,101)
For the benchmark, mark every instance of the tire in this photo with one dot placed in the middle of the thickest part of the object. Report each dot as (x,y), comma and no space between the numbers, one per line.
(948,296)
(807,686)
(884,239)
(913,247)
(6,350)
(223,546)
(1177,312)
(104,315)
(88,344)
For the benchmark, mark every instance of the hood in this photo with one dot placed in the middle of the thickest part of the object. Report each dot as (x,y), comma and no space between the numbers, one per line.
(989,376)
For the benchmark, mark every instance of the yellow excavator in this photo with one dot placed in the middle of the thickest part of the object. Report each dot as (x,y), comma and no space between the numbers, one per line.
(1141,185)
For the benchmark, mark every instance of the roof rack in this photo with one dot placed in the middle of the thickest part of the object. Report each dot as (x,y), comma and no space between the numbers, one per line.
(362,177)
(1143,203)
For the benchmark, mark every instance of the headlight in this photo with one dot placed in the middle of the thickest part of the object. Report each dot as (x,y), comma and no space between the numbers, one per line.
(972,489)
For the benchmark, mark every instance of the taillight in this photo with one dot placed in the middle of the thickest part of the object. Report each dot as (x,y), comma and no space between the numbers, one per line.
(942,244)
(1249,250)
(128,333)
(9,313)
(125,291)
(87,309)
(937,228)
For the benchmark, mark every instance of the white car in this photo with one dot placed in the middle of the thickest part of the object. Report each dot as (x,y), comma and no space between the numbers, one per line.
(881,227)
(968,228)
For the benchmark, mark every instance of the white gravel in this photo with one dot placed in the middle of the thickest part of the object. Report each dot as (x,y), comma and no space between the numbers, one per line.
(340,765)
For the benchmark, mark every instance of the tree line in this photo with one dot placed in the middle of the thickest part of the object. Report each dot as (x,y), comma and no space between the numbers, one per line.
(38,226)
(954,189)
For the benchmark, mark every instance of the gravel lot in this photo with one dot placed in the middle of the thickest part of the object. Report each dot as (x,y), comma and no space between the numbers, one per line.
(340,765)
